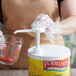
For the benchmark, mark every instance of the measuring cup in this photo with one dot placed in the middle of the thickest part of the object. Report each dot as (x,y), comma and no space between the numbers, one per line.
(10,47)
(10,57)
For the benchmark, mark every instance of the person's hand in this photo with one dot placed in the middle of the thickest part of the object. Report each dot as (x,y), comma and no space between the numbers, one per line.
(52,29)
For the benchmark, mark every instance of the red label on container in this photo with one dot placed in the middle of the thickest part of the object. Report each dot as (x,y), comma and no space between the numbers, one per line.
(54,65)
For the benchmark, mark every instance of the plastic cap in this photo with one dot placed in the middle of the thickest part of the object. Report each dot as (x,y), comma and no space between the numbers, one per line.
(50,52)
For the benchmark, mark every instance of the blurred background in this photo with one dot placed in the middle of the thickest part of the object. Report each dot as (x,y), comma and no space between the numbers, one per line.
(70,43)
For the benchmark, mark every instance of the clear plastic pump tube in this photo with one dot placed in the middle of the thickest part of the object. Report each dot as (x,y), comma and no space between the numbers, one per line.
(37,40)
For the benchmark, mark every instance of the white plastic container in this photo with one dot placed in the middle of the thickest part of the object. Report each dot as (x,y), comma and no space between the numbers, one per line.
(52,60)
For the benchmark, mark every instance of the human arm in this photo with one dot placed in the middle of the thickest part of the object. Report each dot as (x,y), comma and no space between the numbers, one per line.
(68,13)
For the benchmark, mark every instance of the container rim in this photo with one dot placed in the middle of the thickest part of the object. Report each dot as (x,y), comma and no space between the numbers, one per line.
(5,42)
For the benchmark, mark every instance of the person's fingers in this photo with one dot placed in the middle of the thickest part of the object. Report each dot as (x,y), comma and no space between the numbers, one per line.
(67,32)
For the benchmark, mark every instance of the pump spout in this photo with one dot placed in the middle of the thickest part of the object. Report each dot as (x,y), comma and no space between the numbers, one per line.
(37,30)
(22,31)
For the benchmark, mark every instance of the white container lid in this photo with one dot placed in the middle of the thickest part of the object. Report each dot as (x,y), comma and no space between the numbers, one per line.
(50,52)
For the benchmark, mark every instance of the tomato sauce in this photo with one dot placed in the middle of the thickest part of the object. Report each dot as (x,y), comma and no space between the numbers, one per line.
(7,59)
(9,45)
